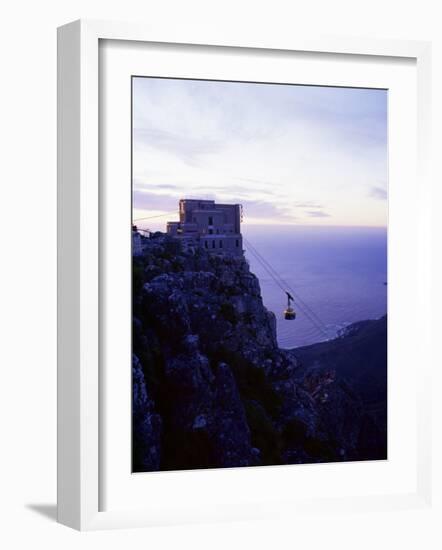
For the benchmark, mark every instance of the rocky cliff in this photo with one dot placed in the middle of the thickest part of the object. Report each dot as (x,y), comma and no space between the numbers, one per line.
(211,388)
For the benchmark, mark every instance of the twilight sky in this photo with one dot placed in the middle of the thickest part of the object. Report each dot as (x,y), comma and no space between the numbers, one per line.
(303,155)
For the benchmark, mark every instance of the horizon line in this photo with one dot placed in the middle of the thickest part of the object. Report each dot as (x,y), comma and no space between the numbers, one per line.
(316,225)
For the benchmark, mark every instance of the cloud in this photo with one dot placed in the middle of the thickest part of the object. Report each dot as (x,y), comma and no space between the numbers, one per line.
(265,209)
(285,152)
(144,200)
(148,183)
(317,214)
(185,147)
(378,193)
(307,204)
(235,192)
(264,187)
(170,186)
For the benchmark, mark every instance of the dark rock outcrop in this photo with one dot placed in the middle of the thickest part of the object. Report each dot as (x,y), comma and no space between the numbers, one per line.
(146,423)
(358,356)
(212,388)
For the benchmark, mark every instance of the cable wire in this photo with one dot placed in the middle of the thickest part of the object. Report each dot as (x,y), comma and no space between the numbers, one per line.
(303,306)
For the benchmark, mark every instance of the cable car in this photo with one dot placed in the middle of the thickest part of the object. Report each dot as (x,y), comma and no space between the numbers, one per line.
(289,313)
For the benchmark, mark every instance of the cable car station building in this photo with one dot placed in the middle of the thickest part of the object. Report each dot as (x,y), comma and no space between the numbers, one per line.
(214,227)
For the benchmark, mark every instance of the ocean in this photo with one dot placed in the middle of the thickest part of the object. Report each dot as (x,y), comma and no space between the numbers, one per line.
(336,274)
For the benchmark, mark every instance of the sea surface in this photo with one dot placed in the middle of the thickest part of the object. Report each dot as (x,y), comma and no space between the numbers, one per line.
(337,276)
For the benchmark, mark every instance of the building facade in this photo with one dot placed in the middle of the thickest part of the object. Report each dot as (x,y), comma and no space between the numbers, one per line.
(137,247)
(209,225)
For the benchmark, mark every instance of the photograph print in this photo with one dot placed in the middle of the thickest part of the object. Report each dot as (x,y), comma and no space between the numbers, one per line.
(259,274)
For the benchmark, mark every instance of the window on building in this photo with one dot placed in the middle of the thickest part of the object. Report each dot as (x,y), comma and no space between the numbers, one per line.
(210,220)
(213,244)
(237,242)
(210,231)
(206,244)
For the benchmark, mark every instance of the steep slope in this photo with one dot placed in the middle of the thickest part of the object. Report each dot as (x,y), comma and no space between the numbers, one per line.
(212,388)
(359,356)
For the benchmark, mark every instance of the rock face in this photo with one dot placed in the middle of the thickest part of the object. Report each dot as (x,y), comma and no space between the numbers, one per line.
(211,388)
(146,423)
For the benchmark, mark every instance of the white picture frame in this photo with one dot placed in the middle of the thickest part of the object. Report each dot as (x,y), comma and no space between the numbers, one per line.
(79,295)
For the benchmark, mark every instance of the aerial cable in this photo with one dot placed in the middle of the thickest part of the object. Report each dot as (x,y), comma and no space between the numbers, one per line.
(156,216)
(283,284)
(300,302)
(298,298)
(316,322)
(287,286)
